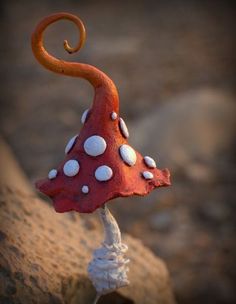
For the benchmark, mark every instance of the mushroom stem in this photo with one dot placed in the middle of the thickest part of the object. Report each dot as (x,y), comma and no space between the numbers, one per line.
(111,228)
(96,299)
(108,268)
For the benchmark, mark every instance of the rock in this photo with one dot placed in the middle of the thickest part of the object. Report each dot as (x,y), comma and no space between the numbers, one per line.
(10,169)
(44,255)
(193,133)
(162,221)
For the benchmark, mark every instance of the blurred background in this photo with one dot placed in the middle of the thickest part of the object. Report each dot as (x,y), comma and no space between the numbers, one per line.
(174,66)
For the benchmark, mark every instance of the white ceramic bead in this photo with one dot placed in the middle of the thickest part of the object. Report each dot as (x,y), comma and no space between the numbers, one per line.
(103,173)
(85,189)
(150,162)
(71,167)
(52,174)
(113,115)
(84,116)
(70,144)
(147,175)
(95,145)
(123,128)
(128,155)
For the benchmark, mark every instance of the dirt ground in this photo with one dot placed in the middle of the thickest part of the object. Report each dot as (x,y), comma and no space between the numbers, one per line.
(153,51)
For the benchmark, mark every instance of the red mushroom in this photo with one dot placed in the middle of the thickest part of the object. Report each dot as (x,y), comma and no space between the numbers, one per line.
(99,165)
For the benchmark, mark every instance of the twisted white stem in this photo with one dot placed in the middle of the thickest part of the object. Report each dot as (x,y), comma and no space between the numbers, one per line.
(111,228)
(108,268)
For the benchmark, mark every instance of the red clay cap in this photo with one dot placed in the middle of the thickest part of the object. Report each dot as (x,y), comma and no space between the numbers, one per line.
(100,164)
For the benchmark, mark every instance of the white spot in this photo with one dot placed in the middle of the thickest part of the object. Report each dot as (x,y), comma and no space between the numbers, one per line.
(128,155)
(95,145)
(85,189)
(52,174)
(147,175)
(84,116)
(103,173)
(150,162)
(113,115)
(123,128)
(70,144)
(71,167)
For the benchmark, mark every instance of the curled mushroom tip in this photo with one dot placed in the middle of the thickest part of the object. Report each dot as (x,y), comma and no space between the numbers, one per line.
(74,69)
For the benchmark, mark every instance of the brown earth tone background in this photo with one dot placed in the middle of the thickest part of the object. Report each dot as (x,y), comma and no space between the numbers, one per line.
(174,65)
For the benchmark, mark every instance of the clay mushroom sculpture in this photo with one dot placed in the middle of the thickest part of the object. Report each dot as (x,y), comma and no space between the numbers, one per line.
(99,163)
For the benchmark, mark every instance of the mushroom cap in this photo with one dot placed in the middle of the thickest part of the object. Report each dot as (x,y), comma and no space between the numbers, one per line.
(99,164)
(119,177)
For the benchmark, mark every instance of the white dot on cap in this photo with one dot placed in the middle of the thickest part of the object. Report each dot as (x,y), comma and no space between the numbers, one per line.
(52,174)
(85,189)
(103,173)
(150,162)
(71,167)
(84,116)
(70,144)
(128,155)
(95,145)
(123,128)
(113,115)
(147,175)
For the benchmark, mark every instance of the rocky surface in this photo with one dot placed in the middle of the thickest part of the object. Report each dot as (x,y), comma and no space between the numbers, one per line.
(44,255)
(191,133)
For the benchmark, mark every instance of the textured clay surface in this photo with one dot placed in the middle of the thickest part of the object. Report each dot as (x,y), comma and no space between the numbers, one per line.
(44,257)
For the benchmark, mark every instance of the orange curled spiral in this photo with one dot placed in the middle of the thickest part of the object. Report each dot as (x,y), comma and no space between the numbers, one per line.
(97,78)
